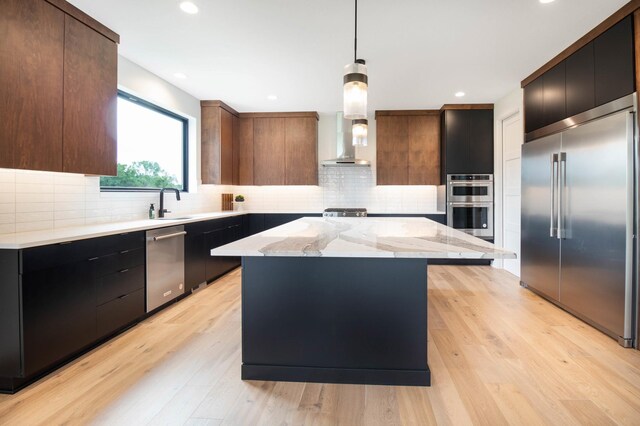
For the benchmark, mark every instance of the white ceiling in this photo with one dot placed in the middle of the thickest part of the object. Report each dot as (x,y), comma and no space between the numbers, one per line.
(419,52)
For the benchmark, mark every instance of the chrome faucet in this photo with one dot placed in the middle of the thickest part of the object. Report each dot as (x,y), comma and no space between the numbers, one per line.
(162,210)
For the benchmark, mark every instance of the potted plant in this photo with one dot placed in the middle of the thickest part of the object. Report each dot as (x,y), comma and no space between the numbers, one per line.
(238,202)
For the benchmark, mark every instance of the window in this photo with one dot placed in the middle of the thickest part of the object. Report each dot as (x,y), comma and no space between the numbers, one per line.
(152,148)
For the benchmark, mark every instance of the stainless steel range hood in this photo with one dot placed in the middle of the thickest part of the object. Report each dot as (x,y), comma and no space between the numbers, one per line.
(346,152)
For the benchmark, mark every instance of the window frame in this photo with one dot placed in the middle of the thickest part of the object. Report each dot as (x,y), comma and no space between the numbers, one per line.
(185,144)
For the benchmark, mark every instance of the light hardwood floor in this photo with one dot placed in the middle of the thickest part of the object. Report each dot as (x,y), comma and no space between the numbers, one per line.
(498,355)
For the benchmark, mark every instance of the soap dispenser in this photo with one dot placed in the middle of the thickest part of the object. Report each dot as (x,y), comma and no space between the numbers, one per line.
(152,212)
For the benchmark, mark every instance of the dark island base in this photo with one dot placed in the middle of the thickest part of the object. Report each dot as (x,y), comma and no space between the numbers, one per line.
(337,375)
(335,320)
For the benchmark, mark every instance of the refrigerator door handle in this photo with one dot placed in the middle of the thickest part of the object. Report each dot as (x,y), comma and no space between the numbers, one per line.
(562,183)
(553,229)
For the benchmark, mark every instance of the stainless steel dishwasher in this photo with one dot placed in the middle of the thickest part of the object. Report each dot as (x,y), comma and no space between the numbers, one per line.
(165,265)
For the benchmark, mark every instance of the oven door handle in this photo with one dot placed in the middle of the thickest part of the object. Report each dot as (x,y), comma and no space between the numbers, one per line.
(471,204)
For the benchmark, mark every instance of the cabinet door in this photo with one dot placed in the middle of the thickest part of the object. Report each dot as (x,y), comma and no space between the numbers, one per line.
(392,150)
(268,149)
(480,142)
(534,104)
(31,76)
(59,314)
(424,150)
(195,259)
(614,62)
(301,151)
(217,266)
(457,141)
(244,146)
(226,147)
(90,95)
(581,81)
(554,95)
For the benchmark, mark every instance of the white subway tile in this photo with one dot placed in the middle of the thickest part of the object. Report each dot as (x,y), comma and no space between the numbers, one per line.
(34,207)
(7,197)
(66,223)
(64,206)
(7,228)
(34,188)
(69,189)
(7,208)
(7,175)
(34,226)
(75,197)
(34,216)
(6,218)
(69,214)
(7,187)
(26,197)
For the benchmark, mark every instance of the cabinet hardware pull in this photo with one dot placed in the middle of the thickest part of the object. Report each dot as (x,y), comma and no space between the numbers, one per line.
(93,258)
(125,251)
(123,271)
(123,296)
(64,243)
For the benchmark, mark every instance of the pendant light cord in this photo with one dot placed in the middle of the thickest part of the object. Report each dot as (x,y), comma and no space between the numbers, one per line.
(355,38)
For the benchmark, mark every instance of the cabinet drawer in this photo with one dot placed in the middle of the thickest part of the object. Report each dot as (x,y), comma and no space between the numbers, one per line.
(120,312)
(116,262)
(118,284)
(44,257)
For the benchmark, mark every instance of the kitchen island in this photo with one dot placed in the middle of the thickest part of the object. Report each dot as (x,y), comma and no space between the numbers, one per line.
(343,300)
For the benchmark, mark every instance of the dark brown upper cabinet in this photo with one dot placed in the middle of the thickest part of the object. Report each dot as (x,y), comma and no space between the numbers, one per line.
(599,72)
(467,142)
(258,148)
(407,147)
(58,89)
(31,77)
(614,62)
(90,101)
(217,143)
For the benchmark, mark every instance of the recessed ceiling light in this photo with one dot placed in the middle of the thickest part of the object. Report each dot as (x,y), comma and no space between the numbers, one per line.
(189,7)
(459,94)
(180,75)
(546,1)
(272,97)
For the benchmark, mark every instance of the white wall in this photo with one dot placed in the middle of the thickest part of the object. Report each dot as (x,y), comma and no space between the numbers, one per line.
(507,106)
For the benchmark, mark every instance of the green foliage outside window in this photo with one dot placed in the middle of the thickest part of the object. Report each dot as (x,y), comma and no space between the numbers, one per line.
(140,174)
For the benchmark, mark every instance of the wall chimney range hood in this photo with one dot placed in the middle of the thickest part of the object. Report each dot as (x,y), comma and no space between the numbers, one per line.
(346,152)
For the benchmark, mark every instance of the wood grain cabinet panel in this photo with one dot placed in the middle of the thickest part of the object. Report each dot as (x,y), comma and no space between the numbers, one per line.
(217,146)
(301,151)
(424,150)
(90,96)
(244,145)
(268,149)
(392,150)
(31,78)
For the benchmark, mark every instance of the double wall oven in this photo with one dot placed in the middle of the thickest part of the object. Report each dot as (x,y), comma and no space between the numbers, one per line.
(470,204)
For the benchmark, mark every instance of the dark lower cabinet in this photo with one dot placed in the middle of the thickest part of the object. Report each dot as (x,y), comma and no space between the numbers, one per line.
(119,312)
(201,238)
(258,222)
(59,300)
(58,314)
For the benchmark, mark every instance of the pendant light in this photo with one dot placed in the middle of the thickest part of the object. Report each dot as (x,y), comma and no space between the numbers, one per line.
(355,82)
(359,130)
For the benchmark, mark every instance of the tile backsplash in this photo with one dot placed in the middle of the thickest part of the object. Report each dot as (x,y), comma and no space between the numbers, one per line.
(32,201)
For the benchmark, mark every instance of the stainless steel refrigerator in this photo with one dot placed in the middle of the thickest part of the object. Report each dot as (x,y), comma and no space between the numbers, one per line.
(578,216)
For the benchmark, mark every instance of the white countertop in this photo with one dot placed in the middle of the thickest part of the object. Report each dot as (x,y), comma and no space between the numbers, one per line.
(364,237)
(24,240)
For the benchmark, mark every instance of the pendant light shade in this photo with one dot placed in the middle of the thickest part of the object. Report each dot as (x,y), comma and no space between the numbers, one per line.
(356,83)
(360,130)
(355,91)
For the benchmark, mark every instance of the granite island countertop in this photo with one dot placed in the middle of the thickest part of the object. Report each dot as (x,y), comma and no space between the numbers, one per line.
(399,237)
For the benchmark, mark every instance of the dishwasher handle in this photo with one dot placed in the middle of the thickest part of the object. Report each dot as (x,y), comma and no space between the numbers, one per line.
(166,237)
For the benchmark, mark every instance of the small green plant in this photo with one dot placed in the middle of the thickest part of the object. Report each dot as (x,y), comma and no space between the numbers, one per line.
(239,198)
